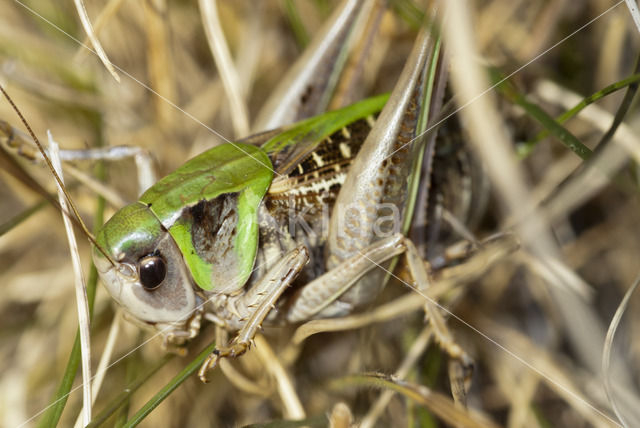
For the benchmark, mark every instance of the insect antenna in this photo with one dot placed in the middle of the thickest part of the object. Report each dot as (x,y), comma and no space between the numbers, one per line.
(83,226)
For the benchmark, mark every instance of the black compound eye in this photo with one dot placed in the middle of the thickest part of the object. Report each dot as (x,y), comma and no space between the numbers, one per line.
(152,269)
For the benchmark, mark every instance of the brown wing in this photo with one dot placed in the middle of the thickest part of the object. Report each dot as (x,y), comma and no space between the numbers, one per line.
(309,175)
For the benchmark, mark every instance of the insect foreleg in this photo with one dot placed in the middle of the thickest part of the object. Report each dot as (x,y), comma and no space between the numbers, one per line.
(260,300)
(174,341)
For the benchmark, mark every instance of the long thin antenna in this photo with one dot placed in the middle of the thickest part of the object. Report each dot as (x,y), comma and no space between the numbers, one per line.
(55,174)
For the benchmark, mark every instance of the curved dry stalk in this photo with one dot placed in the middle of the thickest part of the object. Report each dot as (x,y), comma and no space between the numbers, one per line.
(107,12)
(552,269)
(293,406)
(88,28)
(606,354)
(242,382)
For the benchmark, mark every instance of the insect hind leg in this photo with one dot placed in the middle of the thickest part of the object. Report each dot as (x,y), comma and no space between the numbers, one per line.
(322,294)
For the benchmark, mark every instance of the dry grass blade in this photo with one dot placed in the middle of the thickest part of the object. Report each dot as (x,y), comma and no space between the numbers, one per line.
(400,307)
(99,188)
(110,9)
(220,52)
(88,28)
(103,364)
(293,406)
(81,291)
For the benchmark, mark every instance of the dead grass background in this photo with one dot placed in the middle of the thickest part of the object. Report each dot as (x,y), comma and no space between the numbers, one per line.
(161,44)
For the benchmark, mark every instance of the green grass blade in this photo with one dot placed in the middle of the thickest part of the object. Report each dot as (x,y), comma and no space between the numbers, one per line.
(525,149)
(170,387)
(623,109)
(122,398)
(408,12)
(20,217)
(508,90)
(543,422)
(132,367)
(299,31)
(434,91)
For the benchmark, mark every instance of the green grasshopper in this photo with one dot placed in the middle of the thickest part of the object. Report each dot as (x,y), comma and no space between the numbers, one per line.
(208,239)
(211,240)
